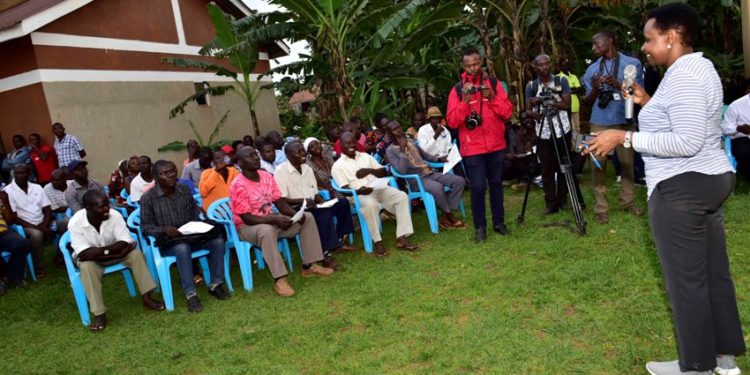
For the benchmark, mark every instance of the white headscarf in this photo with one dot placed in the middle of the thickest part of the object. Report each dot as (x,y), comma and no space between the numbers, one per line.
(307,142)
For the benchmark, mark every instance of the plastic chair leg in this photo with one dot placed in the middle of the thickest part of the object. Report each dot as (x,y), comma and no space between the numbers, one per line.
(259,258)
(366,240)
(166,286)
(30,262)
(287,253)
(81,302)
(227,277)
(299,246)
(432,217)
(461,207)
(246,268)
(128,276)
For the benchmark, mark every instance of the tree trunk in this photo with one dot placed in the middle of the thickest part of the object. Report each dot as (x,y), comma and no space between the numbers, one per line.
(254,119)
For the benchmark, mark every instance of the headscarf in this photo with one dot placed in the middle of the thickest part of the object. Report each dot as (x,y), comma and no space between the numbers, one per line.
(307,142)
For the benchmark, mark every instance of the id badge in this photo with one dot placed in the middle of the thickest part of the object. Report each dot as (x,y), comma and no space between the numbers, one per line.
(616,96)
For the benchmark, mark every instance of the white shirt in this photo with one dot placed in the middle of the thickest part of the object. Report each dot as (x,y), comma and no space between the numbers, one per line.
(437,147)
(267,166)
(138,187)
(680,127)
(29,206)
(83,235)
(296,185)
(344,170)
(737,114)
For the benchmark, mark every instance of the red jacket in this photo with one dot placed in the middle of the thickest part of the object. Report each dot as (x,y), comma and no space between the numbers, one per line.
(490,136)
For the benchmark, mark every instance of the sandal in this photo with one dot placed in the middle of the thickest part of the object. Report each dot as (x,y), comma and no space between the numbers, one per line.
(458,224)
(408,247)
(99,323)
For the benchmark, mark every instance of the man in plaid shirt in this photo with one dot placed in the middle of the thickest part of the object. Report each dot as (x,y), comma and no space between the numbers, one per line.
(67,146)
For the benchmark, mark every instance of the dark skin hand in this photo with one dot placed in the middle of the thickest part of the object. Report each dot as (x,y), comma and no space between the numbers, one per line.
(6,213)
(744,129)
(117,250)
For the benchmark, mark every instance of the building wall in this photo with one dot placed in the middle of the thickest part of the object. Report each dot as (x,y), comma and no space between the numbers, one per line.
(17,57)
(24,111)
(117,119)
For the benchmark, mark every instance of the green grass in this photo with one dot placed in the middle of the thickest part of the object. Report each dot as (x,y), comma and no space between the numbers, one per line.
(541,301)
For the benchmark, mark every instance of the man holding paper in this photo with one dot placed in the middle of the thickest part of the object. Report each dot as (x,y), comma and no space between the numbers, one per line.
(297,184)
(409,158)
(252,197)
(359,171)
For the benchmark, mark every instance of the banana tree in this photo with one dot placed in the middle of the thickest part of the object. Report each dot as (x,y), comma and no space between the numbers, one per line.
(238,55)
(210,142)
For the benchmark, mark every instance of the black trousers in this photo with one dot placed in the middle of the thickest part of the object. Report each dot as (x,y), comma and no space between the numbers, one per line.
(555,189)
(687,223)
(486,170)
(741,152)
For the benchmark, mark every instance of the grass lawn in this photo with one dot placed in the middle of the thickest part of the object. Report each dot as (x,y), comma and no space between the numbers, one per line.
(541,301)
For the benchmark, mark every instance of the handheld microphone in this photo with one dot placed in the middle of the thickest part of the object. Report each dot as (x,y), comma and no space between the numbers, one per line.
(629,76)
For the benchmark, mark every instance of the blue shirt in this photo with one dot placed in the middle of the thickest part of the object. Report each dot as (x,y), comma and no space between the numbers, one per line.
(614,113)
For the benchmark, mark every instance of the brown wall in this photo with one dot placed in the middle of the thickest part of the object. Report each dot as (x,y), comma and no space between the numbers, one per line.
(16,56)
(51,57)
(117,119)
(147,20)
(24,111)
(199,29)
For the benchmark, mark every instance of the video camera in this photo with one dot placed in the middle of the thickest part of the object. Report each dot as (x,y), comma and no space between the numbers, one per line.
(549,96)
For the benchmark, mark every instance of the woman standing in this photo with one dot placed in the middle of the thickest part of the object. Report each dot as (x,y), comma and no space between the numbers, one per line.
(688,178)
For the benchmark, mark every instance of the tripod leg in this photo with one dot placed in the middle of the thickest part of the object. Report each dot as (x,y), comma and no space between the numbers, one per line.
(563,161)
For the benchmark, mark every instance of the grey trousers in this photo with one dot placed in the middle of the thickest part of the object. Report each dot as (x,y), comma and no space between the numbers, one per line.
(267,237)
(687,223)
(435,184)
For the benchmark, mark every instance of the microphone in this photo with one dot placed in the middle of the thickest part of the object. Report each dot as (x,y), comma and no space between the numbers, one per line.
(629,76)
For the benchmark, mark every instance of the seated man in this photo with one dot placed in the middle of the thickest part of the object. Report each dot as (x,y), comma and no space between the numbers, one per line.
(100,238)
(252,196)
(215,182)
(408,158)
(195,168)
(297,183)
(736,123)
(31,210)
(354,129)
(165,208)
(268,159)
(80,184)
(354,170)
(433,137)
(274,137)
(144,181)
(519,154)
(12,272)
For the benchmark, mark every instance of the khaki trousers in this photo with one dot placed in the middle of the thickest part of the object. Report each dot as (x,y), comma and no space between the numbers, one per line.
(625,155)
(92,272)
(267,237)
(394,201)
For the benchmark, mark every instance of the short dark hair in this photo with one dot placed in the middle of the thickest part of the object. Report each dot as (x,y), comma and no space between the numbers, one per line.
(18,136)
(287,146)
(92,196)
(159,165)
(611,35)
(259,145)
(206,151)
(379,117)
(470,51)
(680,17)
(35,135)
(144,157)
(238,142)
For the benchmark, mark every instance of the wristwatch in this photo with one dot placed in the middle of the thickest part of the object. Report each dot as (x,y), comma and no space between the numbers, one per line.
(106,251)
(628,139)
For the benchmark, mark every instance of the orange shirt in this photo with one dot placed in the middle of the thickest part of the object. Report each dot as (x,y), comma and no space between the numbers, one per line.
(213,187)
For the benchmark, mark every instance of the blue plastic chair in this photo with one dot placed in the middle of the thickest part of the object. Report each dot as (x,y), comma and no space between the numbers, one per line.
(420,193)
(75,279)
(728,150)
(366,239)
(221,212)
(69,213)
(29,259)
(327,196)
(132,203)
(198,199)
(134,223)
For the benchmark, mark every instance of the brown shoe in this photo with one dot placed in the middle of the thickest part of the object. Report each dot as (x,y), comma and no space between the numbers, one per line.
(316,269)
(150,303)
(635,211)
(380,250)
(99,323)
(601,218)
(329,262)
(283,288)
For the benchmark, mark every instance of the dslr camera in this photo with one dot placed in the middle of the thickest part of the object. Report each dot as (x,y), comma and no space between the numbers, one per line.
(548,97)
(473,120)
(605,96)
(475,89)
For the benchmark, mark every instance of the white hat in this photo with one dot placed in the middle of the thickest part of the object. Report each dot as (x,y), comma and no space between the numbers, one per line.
(307,142)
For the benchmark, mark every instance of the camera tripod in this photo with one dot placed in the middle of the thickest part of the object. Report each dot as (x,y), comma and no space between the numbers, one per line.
(563,161)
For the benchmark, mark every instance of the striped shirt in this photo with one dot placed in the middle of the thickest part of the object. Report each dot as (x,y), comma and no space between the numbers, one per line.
(680,127)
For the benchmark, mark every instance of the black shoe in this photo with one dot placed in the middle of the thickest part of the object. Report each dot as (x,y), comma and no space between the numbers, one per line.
(194,304)
(502,229)
(219,293)
(550,211)
(481,235)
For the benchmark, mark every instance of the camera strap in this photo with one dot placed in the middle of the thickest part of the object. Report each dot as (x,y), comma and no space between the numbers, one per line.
(615,66)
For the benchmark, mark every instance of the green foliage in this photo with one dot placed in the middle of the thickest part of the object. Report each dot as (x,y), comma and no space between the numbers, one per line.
(210,142)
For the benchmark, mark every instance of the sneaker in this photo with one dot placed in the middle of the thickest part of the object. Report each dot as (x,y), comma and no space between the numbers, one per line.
(283,288)
(538,181)
(725,365)
(316,269)
(219,292)
(481,235)
(671,368)
(194,304)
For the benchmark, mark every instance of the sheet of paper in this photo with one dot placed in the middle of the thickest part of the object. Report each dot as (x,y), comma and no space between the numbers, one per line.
(195,227)
(328,204)
(379,183)
(297,216)
(453,158)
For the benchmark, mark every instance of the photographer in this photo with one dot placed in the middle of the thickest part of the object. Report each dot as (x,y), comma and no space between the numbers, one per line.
(478,107)
(551,94)
(603,80)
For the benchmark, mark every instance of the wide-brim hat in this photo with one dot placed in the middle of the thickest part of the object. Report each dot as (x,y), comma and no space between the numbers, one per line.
(434,112)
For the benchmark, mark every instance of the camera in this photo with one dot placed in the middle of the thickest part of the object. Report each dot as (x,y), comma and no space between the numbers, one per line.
(473,120)
(548,98)
(475,89)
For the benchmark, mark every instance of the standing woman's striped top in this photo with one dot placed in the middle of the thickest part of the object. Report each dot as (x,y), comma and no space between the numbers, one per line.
(680,127)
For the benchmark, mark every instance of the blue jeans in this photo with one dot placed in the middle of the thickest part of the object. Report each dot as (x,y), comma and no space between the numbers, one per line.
(486,169)
(19,248)
(183,252)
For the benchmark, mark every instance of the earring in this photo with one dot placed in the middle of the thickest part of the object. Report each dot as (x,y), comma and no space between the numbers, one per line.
(669,45)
